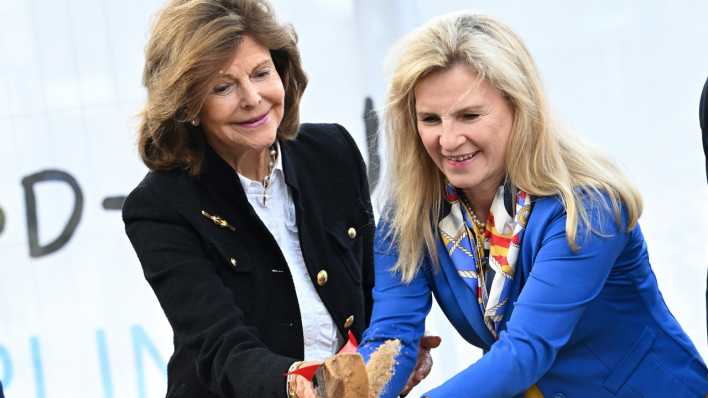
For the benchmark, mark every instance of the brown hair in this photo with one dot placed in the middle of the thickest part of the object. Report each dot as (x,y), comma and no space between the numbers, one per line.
(189,43)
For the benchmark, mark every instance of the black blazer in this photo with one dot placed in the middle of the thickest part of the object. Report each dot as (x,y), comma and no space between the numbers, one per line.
(221,278)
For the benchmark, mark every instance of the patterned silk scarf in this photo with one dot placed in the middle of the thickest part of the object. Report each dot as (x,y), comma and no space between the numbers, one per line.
(489,278)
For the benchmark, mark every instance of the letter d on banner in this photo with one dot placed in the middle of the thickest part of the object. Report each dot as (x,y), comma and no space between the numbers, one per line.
(36,249)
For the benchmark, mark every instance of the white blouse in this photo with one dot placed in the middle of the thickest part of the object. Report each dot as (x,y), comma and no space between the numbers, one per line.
(321,336)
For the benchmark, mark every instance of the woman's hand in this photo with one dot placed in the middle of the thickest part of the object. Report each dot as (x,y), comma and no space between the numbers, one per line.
(423,364)
(303,388)
(300,387)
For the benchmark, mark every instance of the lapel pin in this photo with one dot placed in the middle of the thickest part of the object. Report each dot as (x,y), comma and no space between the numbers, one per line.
(218,221)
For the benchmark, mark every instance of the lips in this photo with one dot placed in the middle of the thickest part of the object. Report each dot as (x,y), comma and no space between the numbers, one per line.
(462,157)
(255,122)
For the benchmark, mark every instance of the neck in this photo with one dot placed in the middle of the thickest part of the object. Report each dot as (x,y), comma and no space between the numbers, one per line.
(250,163)
(253,164)
(480,202)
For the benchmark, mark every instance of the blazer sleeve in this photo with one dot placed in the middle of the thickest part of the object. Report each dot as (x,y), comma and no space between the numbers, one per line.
(399,311)
(230,359)
(560,285)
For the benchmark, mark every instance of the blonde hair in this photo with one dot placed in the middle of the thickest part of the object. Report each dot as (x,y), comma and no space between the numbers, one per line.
(189,43)
(541,158)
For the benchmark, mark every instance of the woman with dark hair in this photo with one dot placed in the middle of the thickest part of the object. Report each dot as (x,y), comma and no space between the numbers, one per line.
(254,232)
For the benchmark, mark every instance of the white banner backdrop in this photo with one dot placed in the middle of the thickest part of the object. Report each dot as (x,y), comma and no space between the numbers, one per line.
(77,318)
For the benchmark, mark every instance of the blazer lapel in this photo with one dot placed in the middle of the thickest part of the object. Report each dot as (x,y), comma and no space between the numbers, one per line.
(226,194)
(226,199)
(465,297)
(303,213)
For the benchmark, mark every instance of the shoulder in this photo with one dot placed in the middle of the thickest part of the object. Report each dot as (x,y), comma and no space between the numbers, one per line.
(548,206)
(549,215)
(326,150)
(324,141)
(325,134)
(158,191)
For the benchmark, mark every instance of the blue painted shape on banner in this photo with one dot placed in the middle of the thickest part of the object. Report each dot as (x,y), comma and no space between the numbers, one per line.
(38,369)
(1,393)
(141,342)
(7,370)
(104,364)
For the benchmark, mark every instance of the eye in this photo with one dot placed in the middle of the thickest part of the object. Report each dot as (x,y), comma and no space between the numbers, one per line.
(429,119)
(262,74)
(468,117)
(223,88)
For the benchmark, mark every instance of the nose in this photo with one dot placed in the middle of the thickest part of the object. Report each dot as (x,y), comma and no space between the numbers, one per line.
(450,137)
(250,96)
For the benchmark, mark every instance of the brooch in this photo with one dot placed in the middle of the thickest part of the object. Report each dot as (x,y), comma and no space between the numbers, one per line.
(218,221)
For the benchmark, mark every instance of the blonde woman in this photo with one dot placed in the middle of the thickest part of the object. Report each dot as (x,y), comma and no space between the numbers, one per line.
(528,240)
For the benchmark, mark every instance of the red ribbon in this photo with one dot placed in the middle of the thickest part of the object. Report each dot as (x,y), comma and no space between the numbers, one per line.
(308,372)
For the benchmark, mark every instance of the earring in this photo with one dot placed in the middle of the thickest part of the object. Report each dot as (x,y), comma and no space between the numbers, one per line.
(195,122)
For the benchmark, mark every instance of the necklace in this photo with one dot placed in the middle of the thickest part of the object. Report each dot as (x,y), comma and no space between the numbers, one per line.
(481,226)
(481,246)
(271,163)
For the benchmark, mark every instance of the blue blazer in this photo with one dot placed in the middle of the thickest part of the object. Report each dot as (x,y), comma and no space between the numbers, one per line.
(590,323)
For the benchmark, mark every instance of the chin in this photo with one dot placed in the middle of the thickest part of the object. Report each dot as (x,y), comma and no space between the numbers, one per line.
(463,183)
